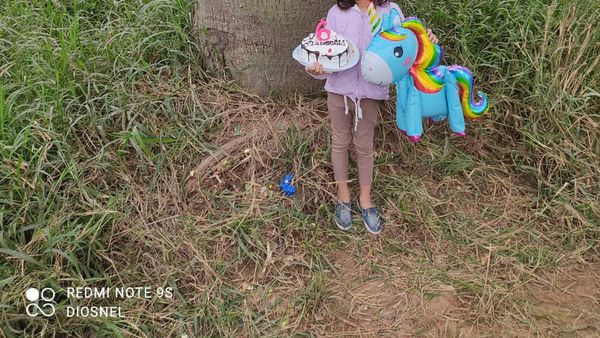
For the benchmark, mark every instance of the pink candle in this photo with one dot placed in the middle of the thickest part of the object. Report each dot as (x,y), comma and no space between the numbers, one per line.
(322,33)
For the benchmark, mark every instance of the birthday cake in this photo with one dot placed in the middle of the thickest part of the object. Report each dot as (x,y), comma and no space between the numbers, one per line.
(326,46)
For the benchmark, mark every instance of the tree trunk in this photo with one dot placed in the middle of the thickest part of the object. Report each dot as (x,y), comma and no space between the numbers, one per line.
(252,40)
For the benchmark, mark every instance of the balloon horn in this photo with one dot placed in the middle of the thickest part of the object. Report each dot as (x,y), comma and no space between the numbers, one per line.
(374,19)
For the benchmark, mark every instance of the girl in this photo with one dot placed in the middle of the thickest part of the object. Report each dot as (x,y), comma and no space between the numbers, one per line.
(348,92)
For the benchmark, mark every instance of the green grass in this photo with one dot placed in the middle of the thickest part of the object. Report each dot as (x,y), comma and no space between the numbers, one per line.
(104,111)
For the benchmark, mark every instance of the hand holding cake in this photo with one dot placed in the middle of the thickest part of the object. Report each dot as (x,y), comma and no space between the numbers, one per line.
(315,69)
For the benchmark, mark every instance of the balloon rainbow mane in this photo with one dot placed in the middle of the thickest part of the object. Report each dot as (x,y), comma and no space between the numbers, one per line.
(427,77)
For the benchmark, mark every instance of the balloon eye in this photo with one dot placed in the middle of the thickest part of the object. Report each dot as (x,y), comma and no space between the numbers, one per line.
(398,52)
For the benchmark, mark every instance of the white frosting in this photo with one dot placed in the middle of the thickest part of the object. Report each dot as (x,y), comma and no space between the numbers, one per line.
(331,53)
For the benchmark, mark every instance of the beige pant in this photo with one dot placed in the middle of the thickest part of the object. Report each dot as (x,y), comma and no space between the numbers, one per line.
(343,133)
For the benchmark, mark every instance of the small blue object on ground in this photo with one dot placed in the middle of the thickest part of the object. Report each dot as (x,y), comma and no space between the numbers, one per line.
(286,185)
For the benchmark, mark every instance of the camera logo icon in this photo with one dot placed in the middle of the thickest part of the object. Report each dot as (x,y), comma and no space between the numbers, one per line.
(34,295)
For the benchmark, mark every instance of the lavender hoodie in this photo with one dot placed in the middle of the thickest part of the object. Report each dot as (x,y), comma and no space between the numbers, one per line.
(354,25)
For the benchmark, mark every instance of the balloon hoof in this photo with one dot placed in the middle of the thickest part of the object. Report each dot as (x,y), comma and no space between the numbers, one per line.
(414,139)
(461,134)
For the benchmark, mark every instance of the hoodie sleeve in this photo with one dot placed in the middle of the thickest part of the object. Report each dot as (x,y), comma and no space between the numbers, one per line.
(331,24)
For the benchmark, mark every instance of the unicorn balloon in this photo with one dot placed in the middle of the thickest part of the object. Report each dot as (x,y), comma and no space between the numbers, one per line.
(402,53)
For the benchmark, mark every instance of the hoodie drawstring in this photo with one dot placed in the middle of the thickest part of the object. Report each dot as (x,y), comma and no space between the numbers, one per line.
(345,105)
(358,115)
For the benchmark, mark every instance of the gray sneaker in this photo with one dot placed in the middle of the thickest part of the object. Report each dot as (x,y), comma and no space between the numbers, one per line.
(343,216)
(371,219)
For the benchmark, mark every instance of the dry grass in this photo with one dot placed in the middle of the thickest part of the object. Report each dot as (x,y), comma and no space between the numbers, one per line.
(134,170)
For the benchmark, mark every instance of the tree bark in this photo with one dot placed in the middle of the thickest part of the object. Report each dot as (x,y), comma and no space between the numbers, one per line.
(252,40)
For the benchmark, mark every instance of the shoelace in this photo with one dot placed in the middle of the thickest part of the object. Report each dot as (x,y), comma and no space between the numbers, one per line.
(343,206)
(370,211)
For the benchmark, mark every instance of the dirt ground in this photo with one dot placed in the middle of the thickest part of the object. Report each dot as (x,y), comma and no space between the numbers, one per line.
(565,304)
